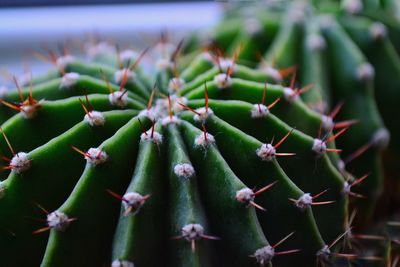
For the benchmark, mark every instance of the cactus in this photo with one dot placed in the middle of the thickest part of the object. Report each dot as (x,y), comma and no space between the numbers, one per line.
(205,163)
(348,50)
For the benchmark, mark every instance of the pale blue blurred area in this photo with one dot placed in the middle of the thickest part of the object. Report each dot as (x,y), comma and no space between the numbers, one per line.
(23,30)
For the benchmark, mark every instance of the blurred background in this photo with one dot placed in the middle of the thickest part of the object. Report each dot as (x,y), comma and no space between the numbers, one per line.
(33,25)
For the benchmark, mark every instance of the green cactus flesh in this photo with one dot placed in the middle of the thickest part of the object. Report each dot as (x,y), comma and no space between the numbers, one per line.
(220,163)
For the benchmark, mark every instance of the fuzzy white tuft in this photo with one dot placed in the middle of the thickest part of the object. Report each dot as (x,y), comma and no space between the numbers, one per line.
(30,111)
(381,138)
(192,231)
(133,202)
(252,26)
(319,146)
(118,99)
(264,255)
(95,118)
(227,63)
(304,201)
(20,162)
(65,60)
(324,253)
(245,195)
(223,80)
(266,152)
(201,141)
(346,188)
(315,42)
(259,111)
(327,123)
(365,72)
(290,95)
(184,170)
(58,220)
(96,156)
(168,120)
(378,31)
(157,138)
(203,114)
(353,6)
(149,113)
(272,72)
(69,80)
(122,263)
(341,166)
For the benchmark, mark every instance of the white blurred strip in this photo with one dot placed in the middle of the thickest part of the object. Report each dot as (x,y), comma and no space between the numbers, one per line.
(26,29)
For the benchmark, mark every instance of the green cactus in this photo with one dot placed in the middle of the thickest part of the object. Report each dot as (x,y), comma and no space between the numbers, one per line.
(217,164)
